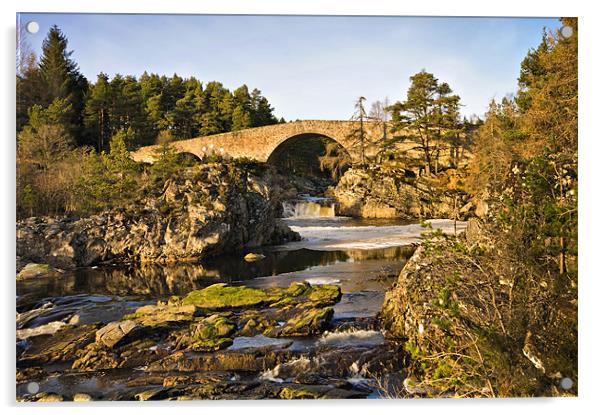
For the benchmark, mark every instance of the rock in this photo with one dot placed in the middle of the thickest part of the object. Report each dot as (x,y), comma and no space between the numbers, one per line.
(154,315)
(209,334)
(33,270)
(302,293)
(374,209)
(131,354)
(482,208)
(449,301)
(251,257)
(48,397)
(113,332)
(58,347)
(49,328)
(203,210)
(304,391)
(382,192)
(151,394)
(311,321)
(220,296)
(81,397)
(251,360)
(254,322)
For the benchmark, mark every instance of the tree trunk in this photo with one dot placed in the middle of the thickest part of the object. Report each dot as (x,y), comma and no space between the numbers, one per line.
(562,257)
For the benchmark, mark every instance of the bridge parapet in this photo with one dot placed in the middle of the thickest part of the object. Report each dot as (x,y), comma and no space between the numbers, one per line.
(259,143)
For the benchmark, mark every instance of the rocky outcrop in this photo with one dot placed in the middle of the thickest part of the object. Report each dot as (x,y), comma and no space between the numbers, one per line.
(465,318)
(205,320)
(201,211)
(378,192)
(225,343)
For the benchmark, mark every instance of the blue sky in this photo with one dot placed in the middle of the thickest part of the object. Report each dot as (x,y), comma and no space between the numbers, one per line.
(309,67)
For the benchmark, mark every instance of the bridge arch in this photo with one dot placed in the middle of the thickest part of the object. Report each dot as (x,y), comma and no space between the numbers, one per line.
(188,157)
(310,153)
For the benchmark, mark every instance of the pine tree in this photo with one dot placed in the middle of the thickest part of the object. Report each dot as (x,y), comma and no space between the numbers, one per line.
(98,111)
(426,116)
(241,118)
(209,123)
(358,135)
(261,111)
(182,118)
(531,71)
(62,79)
(30,88)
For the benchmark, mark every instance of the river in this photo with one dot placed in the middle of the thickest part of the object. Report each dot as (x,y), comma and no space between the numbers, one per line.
(362,256)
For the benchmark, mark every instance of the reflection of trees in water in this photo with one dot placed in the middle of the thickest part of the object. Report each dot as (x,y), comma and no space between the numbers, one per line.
(159,280)
(154,280)
(394,252)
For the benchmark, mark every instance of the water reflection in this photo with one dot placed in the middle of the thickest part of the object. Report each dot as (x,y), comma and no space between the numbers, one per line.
(148,280)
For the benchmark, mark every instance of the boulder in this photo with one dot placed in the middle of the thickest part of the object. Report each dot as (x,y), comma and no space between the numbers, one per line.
(81,397)
(209,334)
(220,296)
(154,315)
(58,347)
(308,322)
(252,257)
(33,270)
(113,332)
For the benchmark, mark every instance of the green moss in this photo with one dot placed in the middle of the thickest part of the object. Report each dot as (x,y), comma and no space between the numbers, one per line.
(309,322)
(209,334)
(219,296)
(299,393)
(325,294)
(443,370)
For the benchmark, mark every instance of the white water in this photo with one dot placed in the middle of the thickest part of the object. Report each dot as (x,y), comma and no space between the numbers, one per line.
(331,236)
(309,207)
(358,338)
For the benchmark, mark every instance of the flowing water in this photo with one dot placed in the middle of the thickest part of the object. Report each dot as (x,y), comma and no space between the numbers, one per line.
(362,256)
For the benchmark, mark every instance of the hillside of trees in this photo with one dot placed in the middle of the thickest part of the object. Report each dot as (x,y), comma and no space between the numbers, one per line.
(70,131)
(148,105)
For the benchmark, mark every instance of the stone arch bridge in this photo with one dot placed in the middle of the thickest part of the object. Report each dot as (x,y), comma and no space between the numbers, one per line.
(260,142)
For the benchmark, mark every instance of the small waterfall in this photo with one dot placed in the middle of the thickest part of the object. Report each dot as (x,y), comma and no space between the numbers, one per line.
(308,207)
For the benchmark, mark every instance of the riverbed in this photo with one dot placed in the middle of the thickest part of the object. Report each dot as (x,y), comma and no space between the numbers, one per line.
(361,256)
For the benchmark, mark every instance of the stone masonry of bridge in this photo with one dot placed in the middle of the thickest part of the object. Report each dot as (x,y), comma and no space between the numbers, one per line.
(259,143)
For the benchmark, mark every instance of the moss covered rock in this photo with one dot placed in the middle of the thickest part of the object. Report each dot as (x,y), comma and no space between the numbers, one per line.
(220,296)
(302,293)
(153,315)
(308,322)
(209,334)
